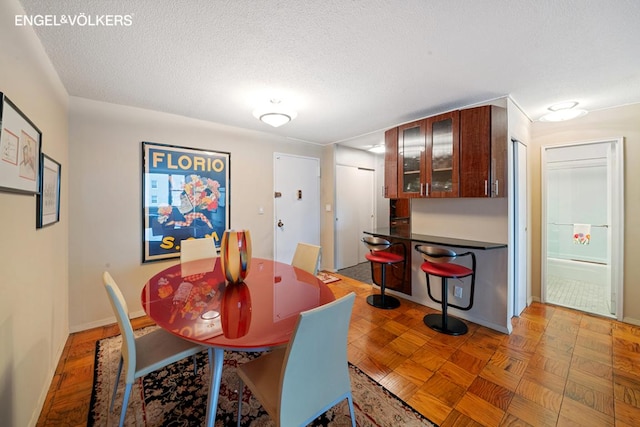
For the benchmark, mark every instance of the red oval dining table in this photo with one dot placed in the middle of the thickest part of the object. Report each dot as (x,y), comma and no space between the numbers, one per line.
(192,301)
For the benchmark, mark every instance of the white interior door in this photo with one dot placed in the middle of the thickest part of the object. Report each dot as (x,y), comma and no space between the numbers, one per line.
(354,213)
(366,208)
(297,203)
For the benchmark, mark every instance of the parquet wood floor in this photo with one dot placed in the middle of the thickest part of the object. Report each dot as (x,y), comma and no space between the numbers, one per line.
(558,367)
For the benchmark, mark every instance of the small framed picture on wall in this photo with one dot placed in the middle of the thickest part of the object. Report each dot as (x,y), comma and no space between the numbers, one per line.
(20,142)
(48,199)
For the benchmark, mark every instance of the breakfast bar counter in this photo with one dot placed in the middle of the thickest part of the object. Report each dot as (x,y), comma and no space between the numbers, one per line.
(491,291)
(437,240)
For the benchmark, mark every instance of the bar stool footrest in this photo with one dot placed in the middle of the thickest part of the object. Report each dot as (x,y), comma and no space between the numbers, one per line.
(454,326)
(386,302)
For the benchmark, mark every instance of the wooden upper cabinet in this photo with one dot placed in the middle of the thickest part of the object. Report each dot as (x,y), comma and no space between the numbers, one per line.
(461,153)
(411,150)
(391,163)
(442,153)
(483,152)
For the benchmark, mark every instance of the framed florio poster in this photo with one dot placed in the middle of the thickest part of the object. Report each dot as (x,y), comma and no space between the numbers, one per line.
(185,194)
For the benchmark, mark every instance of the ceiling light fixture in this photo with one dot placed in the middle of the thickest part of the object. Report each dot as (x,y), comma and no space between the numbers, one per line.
(274,114)
(562,106)
(563,111)
(378,149)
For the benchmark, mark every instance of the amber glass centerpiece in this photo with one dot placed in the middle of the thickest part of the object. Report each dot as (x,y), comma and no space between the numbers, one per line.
(235,254)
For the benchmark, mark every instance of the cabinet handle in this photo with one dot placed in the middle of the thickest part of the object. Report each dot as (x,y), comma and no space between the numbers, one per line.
(486,187)
(426,189)
(496,187)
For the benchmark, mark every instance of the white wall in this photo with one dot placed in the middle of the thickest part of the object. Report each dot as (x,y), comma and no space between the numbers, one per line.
(327,200)
(105,181)
(461,218)
(33,263)
(347,156)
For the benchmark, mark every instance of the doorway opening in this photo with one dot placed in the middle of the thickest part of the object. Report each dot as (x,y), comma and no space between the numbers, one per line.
(582,211)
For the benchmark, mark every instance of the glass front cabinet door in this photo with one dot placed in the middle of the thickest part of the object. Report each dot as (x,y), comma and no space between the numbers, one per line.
(411,157)
(428,157)
(442,155)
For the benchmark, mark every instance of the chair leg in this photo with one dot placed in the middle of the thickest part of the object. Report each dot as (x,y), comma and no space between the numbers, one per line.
(195,365)
(115,386)
(351,411)
(240,392)
(125,403)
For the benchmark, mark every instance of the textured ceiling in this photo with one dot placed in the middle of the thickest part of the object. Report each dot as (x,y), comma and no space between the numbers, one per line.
(349,68)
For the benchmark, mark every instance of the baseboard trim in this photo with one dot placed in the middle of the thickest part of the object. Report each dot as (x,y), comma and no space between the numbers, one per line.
(45,390)
(631,321)
(104,322)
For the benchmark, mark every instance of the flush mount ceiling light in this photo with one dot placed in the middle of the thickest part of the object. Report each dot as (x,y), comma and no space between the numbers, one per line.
(563,111)
(274,114)
(378,149)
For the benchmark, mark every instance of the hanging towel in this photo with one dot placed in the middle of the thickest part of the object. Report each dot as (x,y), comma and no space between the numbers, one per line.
(581,234)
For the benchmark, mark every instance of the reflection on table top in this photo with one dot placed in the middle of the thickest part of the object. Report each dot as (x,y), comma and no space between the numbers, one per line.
(193,301)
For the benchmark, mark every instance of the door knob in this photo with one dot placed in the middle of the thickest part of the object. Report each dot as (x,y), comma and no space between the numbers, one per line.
(280,223)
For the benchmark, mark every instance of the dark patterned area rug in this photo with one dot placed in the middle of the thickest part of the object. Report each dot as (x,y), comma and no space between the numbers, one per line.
(174,396)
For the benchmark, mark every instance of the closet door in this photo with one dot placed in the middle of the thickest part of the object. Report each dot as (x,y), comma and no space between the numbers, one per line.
(354,213)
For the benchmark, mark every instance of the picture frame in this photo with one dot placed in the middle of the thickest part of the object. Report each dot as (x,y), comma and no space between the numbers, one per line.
(20,150)
(48,199)
(185,194)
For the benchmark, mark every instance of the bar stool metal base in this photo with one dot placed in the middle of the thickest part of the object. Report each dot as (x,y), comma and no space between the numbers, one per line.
(454,326)
(383,301)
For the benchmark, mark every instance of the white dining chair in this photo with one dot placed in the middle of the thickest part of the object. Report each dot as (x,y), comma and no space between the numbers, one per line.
(297,383)
(195,249)
(307,257)
(144,354)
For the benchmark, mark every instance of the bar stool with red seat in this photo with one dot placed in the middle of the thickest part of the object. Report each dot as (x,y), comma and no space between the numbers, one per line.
(378,254)
(437,262)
